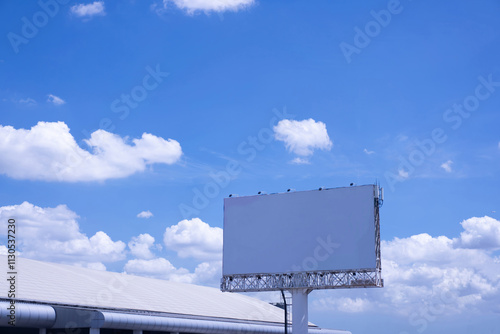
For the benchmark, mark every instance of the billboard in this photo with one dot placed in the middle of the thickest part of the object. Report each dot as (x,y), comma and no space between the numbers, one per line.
(326,231)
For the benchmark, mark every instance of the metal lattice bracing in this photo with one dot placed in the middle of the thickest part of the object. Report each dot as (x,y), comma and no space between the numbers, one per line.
(378,204)
(304,280)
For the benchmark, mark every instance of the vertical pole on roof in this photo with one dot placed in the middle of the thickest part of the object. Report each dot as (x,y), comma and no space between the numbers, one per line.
(286,312)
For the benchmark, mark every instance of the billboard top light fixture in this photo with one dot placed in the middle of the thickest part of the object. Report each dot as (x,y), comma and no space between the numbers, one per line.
(320,239)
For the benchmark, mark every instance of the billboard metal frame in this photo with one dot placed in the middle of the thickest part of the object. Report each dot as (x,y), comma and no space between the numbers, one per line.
(303,280)
(312,280)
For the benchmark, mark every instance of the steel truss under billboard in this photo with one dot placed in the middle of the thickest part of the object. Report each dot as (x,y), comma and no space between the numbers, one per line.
(304,280)
(350,200)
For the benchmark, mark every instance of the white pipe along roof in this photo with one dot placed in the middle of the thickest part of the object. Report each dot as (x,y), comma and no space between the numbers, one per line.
(28,315)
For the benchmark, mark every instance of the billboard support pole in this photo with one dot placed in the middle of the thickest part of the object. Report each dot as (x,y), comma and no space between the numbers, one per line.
(286,311)
(300,323)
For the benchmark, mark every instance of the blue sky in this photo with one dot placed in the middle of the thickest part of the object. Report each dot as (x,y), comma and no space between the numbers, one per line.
(110,109)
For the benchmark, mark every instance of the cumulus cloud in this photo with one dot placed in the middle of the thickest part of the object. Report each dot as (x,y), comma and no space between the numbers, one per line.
(89,10)
(447,166)
(192,6)
(194,238)
(433,276)
(480,233)
(55,100)
(145,214)
(140,246)
(303,137)
(53,234)
(49,152)
(207,273)
(156,268)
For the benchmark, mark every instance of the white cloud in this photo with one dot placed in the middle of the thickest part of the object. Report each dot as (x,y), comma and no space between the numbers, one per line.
(55,100)
(96,266)
(49,152)
(27,102)
(368,152)
(194,238)
(91,265)
(447,166)
(402,174)
(89,10)
(159,268)
(480,232)
(140,246)
(303,137)
(346,304)
(207,273)
(436,276)
(53,234)
(300,161)
(145,214)
(191,6)
(189,238)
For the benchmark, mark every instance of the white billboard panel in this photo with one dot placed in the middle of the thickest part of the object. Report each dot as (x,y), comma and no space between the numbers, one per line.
(305,231)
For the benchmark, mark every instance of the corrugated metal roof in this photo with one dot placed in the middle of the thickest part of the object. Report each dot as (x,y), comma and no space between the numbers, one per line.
(67,285)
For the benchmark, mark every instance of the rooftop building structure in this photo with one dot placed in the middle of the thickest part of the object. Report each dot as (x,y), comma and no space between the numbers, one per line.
(54,298)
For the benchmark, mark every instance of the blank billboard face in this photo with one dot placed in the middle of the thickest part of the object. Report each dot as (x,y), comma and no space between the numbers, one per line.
(319,230)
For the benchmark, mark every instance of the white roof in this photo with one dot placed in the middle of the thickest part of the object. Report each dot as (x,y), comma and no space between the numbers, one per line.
(67,285)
